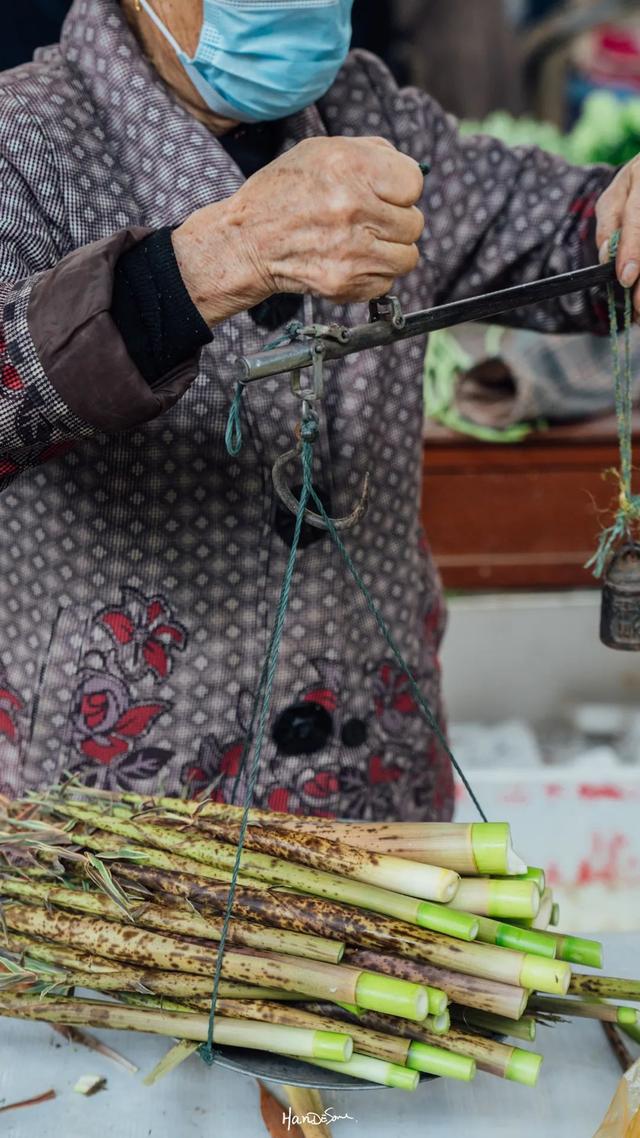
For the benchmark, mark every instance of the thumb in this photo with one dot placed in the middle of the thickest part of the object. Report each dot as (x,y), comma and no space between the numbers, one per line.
(610,211)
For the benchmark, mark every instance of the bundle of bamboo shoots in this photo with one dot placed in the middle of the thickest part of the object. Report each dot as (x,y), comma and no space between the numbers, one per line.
(377,950)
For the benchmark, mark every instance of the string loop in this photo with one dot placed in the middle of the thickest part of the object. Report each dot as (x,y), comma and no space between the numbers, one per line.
(233,432)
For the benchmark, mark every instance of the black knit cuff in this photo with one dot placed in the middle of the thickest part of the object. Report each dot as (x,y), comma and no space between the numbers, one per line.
(152,309)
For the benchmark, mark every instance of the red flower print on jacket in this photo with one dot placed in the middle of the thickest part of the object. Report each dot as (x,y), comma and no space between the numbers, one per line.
(11,738)
(10,381)
(8,467)
(378,789)
(10,706)
(392,698)
(443,784)
(143,633)
(214,774)
(106,723)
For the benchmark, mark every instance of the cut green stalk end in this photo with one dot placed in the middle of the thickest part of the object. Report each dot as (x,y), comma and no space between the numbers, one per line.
(374,1071)
(578,950)
(516,900)
(533,873)
(438,1001)
(523,1067)
(332,1045)
(631,1032)
(439,1025)
(540,975)
(492,850)
(627,1017)
(378,993)
(452,922)
(436,1061)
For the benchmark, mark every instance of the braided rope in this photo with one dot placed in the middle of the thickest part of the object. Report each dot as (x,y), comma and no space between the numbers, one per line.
(628,510)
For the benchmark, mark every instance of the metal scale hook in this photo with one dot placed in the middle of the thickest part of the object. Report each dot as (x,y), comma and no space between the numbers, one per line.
(310,398)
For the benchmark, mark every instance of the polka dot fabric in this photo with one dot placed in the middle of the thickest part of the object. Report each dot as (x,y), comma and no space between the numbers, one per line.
(139,571)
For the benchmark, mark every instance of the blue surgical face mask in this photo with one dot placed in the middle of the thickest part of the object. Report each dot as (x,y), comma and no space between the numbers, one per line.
(265,59)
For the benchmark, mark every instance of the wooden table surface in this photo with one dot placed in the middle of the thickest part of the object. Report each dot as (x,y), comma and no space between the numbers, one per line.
(578,1080)
(523,515)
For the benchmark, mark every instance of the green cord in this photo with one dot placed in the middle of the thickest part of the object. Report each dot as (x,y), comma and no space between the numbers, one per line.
(263,697)
(386,634)
(233,433)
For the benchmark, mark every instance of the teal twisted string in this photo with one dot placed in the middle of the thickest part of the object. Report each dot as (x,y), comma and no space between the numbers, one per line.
(262,700)
(291,332)
(386,633)
(628,503)
(233,432)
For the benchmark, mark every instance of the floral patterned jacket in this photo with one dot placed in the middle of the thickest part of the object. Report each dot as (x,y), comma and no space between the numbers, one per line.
(140,564)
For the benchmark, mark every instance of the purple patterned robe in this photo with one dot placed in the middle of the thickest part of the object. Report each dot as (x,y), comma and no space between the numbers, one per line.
(139,563)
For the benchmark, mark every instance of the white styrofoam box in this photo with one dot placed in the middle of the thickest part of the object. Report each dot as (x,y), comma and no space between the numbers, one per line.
(531,656)
(582,826)
(511,744)
(535,657)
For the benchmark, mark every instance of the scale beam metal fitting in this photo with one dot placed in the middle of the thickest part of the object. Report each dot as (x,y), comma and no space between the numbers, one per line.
(388,328)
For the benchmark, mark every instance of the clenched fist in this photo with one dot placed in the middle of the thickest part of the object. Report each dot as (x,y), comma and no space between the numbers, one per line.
(335,217)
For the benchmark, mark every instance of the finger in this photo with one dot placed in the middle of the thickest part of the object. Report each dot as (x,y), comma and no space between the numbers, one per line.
(609,211)
(397,179)
(395,260)
(628,258)
(396,224)
(372,287)
(365,286)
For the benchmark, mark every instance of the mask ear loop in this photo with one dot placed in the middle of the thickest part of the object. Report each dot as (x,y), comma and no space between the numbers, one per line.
(161,26)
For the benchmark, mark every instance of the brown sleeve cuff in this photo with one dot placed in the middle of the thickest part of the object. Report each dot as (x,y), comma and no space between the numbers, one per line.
(80,348)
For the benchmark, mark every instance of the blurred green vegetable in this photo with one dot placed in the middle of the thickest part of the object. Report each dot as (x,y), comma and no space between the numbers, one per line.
(608,130)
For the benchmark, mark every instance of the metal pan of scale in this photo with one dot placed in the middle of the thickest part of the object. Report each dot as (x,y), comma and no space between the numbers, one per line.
(292,1072)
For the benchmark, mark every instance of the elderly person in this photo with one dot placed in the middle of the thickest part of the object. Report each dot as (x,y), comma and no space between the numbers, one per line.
(178,181)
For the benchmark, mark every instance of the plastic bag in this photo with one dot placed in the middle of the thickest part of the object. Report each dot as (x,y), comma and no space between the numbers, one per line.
(622,1119)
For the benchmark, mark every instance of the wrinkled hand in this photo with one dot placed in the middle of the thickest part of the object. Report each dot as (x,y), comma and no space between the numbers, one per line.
(335,217)
(619,208)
